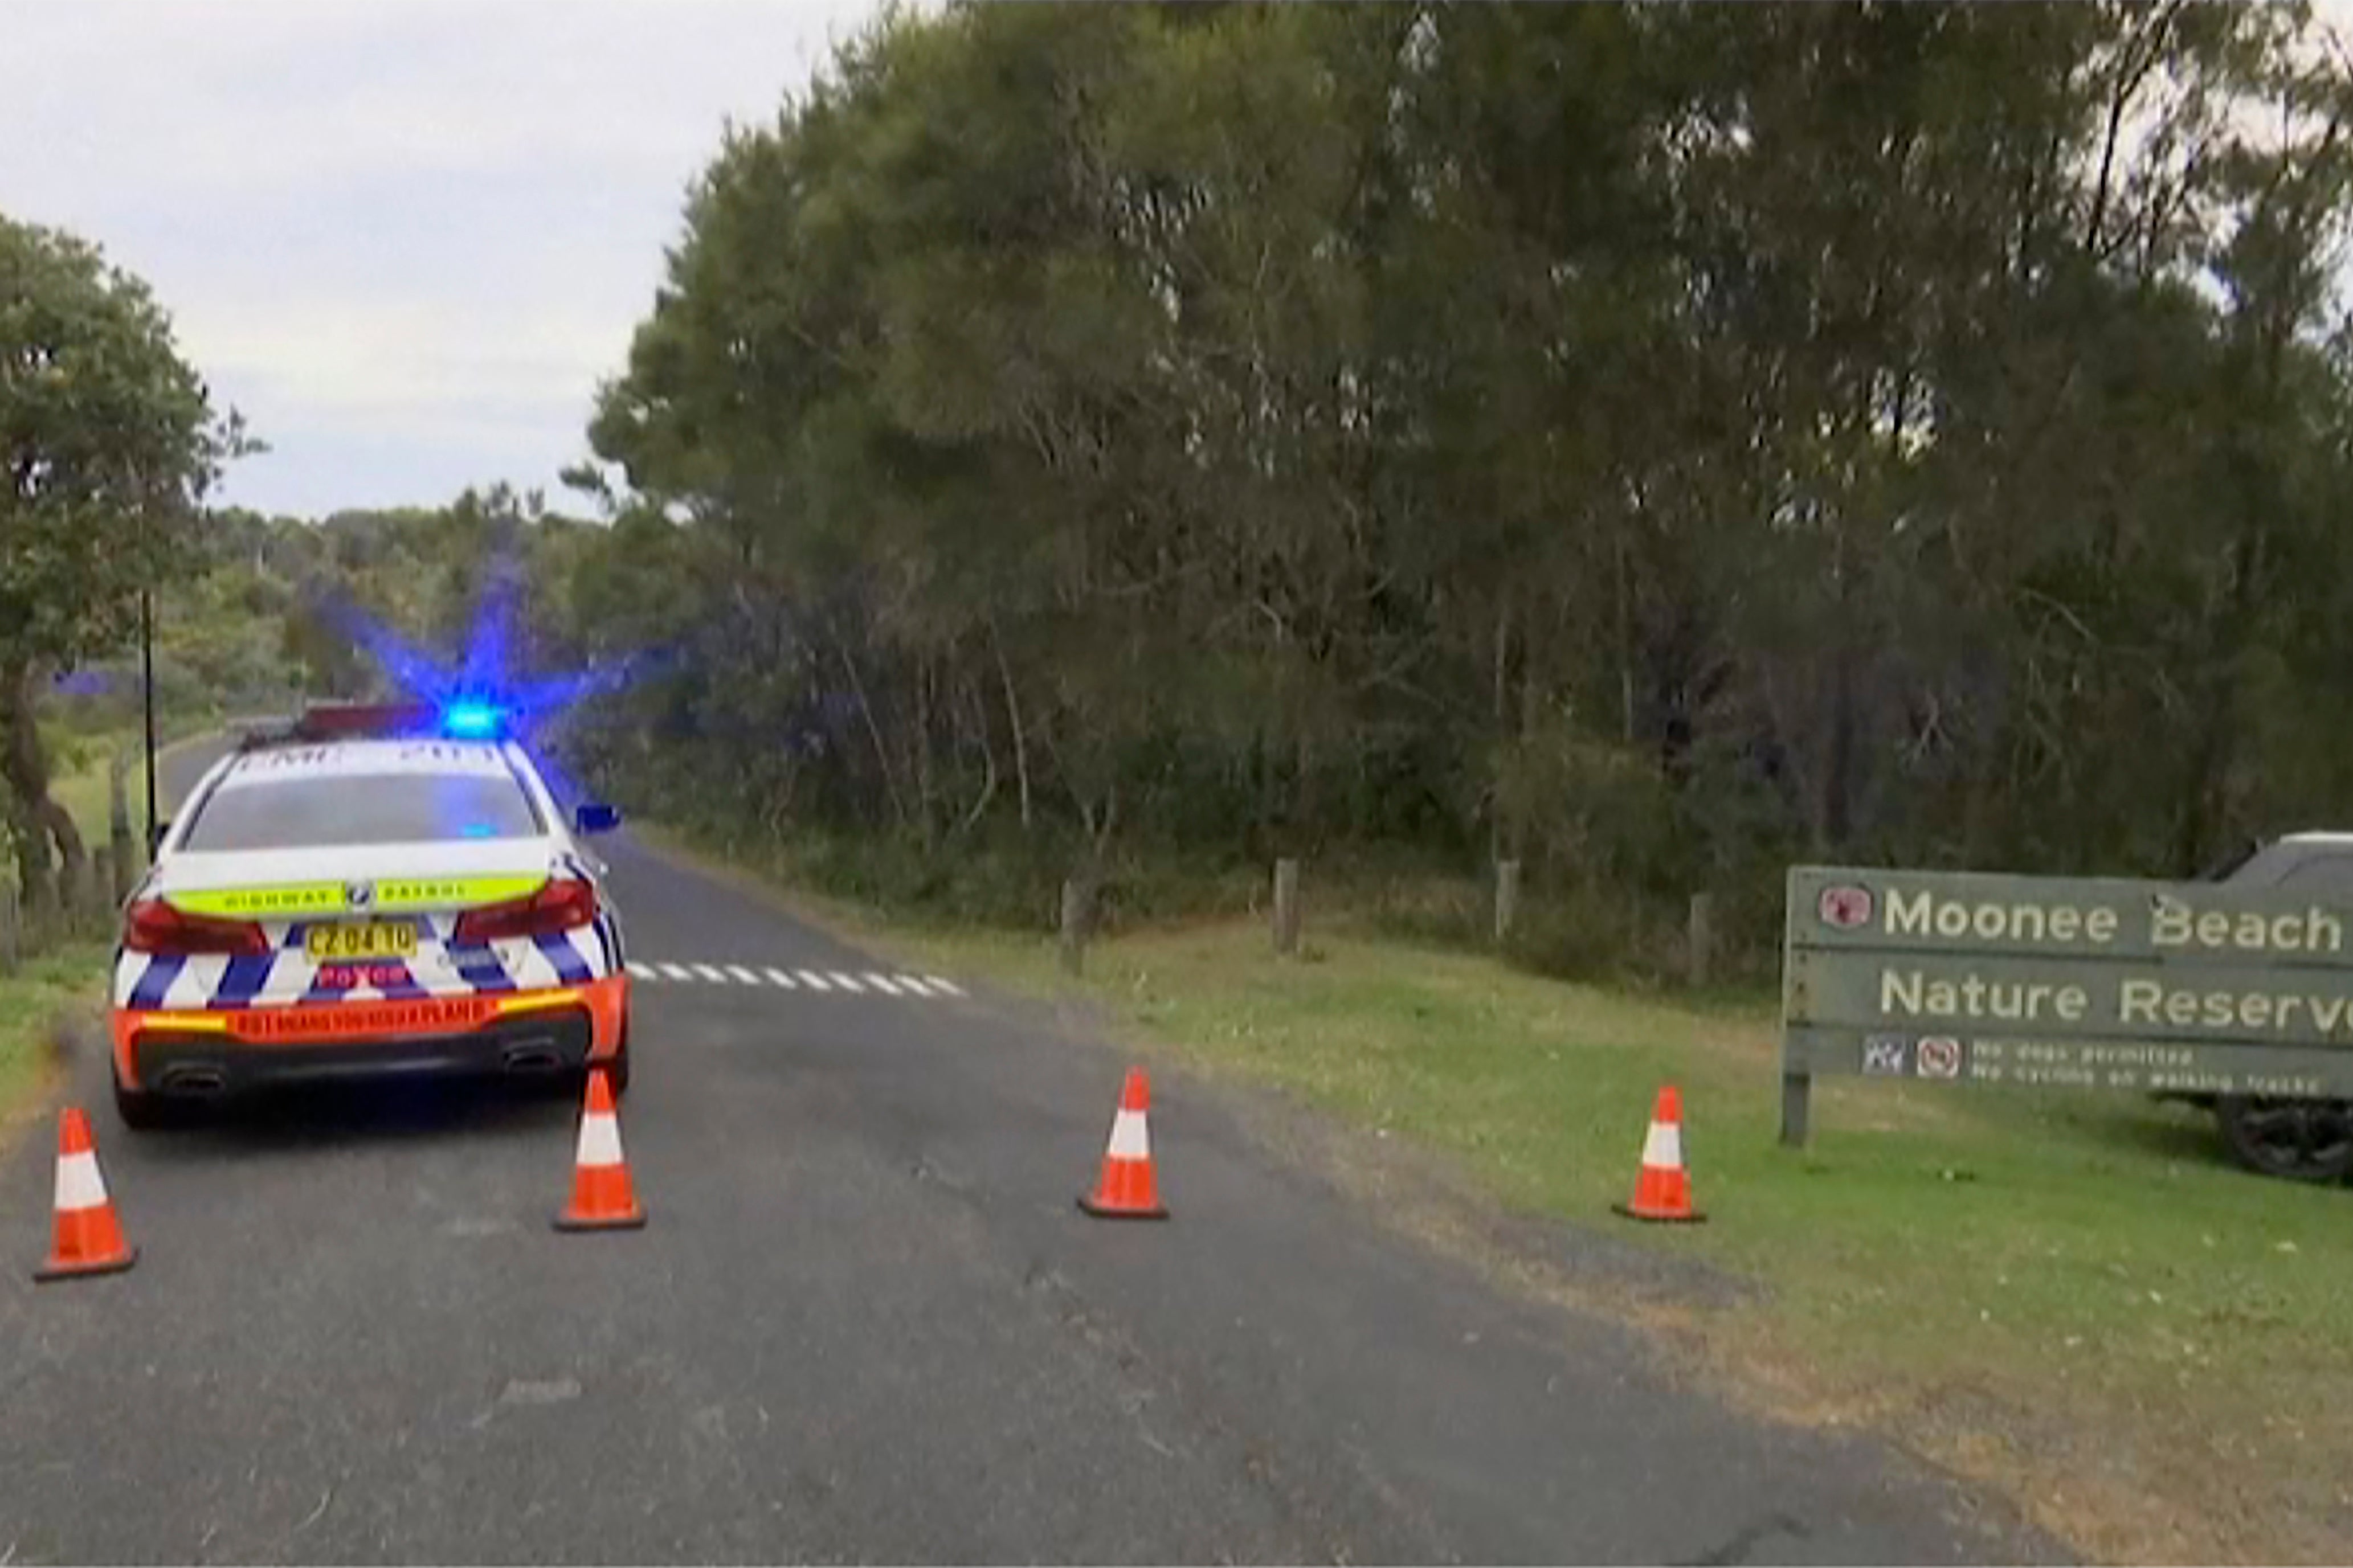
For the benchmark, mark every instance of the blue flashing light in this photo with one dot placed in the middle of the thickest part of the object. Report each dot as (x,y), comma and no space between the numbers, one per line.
(470,720)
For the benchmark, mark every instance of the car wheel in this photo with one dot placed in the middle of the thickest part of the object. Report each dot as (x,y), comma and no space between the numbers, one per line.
(616,1073)
(144,1112)
(2295,1139)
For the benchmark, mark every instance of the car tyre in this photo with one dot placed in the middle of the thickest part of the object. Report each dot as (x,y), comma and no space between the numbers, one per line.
(616,1072)
(2294,1139)
(144,1112)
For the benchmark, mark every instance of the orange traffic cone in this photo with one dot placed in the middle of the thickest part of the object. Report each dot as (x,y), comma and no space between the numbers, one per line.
(602,1196)
(1662,1191)
(1127,1189)
(86,1237)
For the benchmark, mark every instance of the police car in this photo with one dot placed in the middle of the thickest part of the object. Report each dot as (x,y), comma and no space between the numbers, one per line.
(368,890)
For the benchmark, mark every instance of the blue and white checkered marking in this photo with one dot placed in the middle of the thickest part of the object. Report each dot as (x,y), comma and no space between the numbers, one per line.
(441,967)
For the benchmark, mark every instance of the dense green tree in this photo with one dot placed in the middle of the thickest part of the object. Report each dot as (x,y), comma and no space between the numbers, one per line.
(108,442)
(1661,440)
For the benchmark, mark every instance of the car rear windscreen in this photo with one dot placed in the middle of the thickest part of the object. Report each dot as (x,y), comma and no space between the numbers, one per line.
(331,811)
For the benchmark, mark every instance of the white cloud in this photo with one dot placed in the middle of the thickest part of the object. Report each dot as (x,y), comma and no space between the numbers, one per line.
(375,360)
(405,239)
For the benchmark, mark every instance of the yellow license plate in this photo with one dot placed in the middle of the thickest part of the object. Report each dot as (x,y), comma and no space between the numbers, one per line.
(376,939)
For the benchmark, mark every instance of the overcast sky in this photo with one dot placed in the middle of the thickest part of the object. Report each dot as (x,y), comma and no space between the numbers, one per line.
(406,238)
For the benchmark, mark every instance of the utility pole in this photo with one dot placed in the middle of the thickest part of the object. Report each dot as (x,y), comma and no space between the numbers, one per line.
(147,700)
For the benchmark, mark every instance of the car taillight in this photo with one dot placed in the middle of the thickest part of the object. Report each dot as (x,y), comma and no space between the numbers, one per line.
(151,925)
(559,906)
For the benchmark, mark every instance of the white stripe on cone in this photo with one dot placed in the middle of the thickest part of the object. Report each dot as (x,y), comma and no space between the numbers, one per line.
(80,1186)
(1664,1145)
(1129,1139)
(600,1140)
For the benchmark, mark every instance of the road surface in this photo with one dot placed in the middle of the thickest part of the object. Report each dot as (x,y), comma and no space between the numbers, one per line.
(866,1323)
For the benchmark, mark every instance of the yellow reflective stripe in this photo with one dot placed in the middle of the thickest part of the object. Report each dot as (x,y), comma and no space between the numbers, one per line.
(195,1022)
(332,898)
(436,892)
(313,898)
(536,1001)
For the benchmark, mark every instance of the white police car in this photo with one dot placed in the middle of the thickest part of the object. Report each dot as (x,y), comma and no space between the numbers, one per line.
(367,890)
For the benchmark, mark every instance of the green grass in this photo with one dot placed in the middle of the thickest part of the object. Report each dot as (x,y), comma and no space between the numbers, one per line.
(30,1002)
(2074,1298)
(80,764)
(80,783)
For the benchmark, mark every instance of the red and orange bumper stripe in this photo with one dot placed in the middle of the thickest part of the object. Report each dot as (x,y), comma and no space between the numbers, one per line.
(605,1001)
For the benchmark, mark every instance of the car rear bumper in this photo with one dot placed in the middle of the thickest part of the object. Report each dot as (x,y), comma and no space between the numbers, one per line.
(209,1064)
(227,1052)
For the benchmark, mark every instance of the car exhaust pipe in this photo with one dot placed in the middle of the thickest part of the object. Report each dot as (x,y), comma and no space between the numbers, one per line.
(532,1059)
(194,1082)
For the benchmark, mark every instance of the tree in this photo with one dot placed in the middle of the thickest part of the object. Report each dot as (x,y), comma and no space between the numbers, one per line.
(1655,440)
(108,441)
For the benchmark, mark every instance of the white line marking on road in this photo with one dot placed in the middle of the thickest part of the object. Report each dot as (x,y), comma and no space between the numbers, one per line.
(923,985)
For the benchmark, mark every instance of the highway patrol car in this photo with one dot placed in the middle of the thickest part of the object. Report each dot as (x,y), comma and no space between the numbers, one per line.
(367,890)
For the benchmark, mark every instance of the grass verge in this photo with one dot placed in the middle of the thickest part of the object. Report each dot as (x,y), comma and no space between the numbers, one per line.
(80,783)
(32,1002)
(2074,1300)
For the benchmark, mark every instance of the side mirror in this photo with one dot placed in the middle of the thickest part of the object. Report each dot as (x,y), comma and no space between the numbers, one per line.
(594,818)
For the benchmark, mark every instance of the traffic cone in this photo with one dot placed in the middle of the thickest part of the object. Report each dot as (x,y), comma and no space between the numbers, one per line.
(86,1239)
(1662,1191)
(602,1196)
(1127,1189)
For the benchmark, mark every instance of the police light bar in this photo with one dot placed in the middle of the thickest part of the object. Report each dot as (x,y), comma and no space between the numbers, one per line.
(360,720)
(464,719)
(470,719)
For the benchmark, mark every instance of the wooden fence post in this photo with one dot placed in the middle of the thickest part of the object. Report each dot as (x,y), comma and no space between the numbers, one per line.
(1286,908)
(101,887)
(118,826)
(44,893)
(1507,899)
(1074,925)
(1702,950)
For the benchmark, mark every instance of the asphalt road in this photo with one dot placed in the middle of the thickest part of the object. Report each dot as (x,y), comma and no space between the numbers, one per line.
(865,1323)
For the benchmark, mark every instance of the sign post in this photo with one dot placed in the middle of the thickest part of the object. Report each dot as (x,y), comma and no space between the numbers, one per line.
(2056,983)
(147,708)
(1797,1107)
